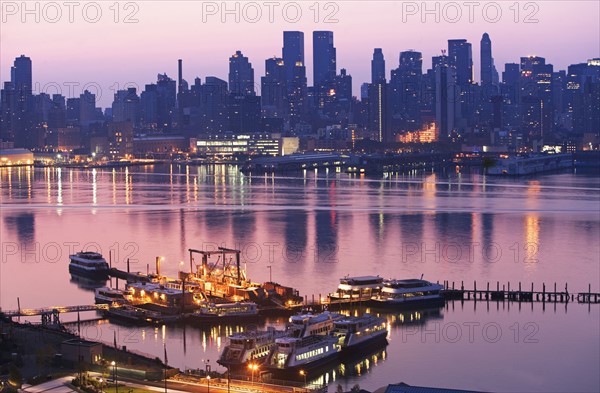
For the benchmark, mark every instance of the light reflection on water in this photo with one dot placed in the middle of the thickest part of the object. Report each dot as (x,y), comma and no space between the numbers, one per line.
(315,229)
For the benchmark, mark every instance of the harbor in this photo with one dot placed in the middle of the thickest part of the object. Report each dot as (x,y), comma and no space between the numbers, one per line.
(456,233)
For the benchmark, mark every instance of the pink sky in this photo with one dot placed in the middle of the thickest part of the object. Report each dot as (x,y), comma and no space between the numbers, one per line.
(111,54)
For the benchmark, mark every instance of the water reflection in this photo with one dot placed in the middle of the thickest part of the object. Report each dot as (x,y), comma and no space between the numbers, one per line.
(397,227)
(87,283)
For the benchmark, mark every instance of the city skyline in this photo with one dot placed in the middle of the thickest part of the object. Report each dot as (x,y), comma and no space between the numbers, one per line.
(111,53)
(258,65)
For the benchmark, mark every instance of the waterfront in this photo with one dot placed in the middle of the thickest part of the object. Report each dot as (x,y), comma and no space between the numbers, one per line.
(313,230)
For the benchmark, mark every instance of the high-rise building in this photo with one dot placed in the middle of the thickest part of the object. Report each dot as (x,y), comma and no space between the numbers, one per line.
(447,106)
(293,53)
(324,59)
(87,108)
(273,89)
(126,106)
(73,111)
(378,67)
(297,93)
(214,105)
(149,107)
(243,114)
(486,60)
(241,75)
(405,84)
(21,75)
(460,57)
(536,103)
(166,91)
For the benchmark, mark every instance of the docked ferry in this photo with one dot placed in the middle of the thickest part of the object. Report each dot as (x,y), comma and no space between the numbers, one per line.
(250,346)
(89,264)
(354,333)
(292,354)
(359,288)
(408,293)
(303,325)
(256,345)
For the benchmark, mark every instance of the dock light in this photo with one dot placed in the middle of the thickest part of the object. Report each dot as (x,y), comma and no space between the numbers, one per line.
(303,373)
(253,367)
(114,364)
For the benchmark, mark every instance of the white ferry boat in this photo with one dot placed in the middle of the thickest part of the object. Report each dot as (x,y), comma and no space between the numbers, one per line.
(304,325)
(357,332)
(359,288)
(107,295)
(257,345)
(408,292)
(292,354)
(89,264)
(250,346)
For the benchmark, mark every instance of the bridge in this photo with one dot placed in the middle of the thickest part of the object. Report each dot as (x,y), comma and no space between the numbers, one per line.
(50,315)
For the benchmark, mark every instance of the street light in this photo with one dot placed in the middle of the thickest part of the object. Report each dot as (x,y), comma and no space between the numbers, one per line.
(100,380)
(253,367)
(208,380)
(303,373)
(114,364)
(228,379)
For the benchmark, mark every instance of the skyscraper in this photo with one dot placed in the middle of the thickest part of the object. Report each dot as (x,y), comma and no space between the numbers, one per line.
(447,106)
(405,84)
(241,75)
(378,67)
(460,57)
(21,75)
(273,89)
(295,73)
(324,62)
(293,53)
(378,111)
(486,60)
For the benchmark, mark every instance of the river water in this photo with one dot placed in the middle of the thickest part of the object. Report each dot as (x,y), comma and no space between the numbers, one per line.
(316,227)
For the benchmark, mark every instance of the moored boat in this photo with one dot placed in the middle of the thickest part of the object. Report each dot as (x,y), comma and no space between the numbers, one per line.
(292,354)
(354,333)
(105,295)
(308,324)
(358,288)
(249,346)
(410,292)
(89,264)
(137,315)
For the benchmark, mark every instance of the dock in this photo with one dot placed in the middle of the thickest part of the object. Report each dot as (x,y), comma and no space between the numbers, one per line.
(451,293)
(519,294)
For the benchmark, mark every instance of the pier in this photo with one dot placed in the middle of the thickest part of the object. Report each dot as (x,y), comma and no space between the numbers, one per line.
(519,294)
(51,315)
(486,293)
